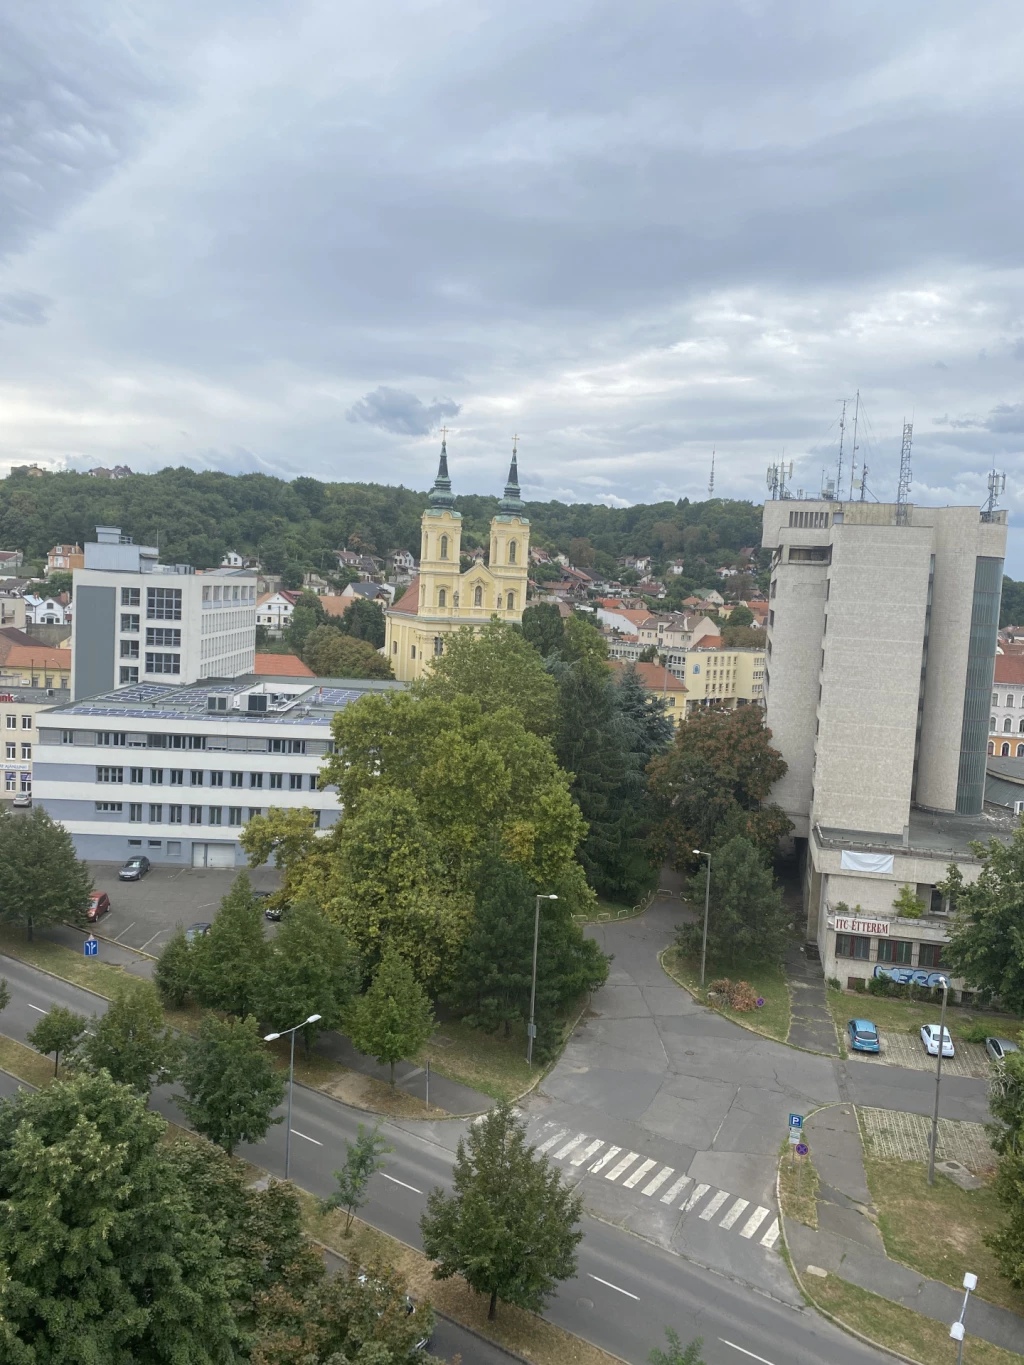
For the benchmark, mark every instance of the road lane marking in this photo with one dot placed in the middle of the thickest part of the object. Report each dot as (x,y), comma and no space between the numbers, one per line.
(615,1287)
(602,1162)
(669,1197)
(150,940)
(34,1007)
(125,930)
(569,1146)
(716,1203)
(734,1213)
(695,1198)
(620,1166)
(587,1153)
(396,1181)
(306,1136)
(754,1221)
(744,1351)
(546,1146)
(645,1168)
(771,1236)
(658,1181)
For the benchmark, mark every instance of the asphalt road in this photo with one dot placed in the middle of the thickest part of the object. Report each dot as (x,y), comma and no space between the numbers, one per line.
(627,1289)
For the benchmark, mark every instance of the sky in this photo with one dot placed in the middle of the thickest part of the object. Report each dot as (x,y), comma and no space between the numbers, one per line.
(302,237)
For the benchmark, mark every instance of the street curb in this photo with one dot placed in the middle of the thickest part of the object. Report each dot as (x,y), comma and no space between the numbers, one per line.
(57,977)
(811,1052)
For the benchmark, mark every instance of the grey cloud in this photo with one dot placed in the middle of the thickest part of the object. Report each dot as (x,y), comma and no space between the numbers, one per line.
(402,413)
(24,308)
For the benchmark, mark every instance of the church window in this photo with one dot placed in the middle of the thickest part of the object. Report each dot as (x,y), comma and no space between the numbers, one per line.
(455,599)
(478,601)
(442,597)
(394,646)
(511,552)
(438,644)
(413,655)
(444,549)
(511,601)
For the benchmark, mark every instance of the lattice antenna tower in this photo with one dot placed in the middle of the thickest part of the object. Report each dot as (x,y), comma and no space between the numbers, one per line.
(842,435)
(996,486)
(777,476)
(903,487)
(711,481)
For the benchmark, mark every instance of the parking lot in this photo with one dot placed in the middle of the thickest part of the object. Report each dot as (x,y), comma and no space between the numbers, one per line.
(144,914)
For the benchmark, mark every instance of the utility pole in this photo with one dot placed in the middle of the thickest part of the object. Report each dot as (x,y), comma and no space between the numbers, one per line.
(938,1082)
(903,487)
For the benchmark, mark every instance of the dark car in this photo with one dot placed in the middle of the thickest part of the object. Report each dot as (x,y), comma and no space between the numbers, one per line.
(198,930)
(99,904)
(134,869)
(275,912)
(863,1036)
(999,1048)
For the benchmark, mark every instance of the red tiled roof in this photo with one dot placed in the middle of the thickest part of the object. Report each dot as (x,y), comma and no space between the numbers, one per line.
(281,666)
(335,605)
(24,656)
(409,603)
(653,676)
(709,642)
(1009,669)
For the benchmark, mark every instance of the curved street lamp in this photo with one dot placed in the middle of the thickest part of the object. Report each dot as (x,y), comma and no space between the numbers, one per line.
(531,1027)
(272,1038)
(702,853)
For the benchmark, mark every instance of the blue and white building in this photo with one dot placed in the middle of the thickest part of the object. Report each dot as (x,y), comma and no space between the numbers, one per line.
(176,772)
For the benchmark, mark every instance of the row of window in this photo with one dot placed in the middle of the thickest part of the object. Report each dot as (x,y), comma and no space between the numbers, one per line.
(121,739)
(899,951)
(1009,699)
(478,598)
(217,594)
(156,813)
(176,777)
(1004,750)
(12,722)
(162,604)
(1007,726)
(443,548)
(12,750)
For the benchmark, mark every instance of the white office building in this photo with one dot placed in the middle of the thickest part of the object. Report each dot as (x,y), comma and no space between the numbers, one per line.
(137,620)
(176,772)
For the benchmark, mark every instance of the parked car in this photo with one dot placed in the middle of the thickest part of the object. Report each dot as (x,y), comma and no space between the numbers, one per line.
(275,912)
(99,904)
(134,869)
(930,1038)
(198,930)
(22,800)
(863,1036)
(997,1048)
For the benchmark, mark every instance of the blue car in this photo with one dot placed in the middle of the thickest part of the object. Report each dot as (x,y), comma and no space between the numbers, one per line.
(863,1036)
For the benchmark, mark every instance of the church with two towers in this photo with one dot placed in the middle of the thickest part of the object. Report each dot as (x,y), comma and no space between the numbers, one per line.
(445,598)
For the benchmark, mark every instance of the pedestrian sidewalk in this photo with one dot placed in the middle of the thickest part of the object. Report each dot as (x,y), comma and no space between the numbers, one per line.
(848,1243)
(811,1025)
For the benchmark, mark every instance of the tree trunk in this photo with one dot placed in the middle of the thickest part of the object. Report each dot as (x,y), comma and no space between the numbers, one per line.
(492,1311)
(392,1078)
(28,928)
(508,1029)
(56,1062)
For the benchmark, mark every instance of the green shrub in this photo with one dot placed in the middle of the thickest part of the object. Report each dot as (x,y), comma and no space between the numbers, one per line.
(975,1033)
(858,985)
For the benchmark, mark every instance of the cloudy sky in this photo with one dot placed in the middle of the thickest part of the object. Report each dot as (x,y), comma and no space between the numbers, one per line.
(299,237)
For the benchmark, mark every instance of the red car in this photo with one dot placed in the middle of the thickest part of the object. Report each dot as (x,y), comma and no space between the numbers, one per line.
(99,905)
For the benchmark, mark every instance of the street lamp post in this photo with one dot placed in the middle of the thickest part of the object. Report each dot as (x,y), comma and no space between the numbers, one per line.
(701,853)
(958,1331)
(270,1038)
(531,1027)
(938,1079)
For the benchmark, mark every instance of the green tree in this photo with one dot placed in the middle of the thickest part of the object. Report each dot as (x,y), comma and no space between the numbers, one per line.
(742,637)
(364,620)
(986,944)
(542,628)
(231,960)
(499,668)
(231,1087)
(908,904)
(1008,1241)
(362,1161)
(1006,1103)
(174,972)
(105,1257)
(130,1040)
(59,581)
(312,969)
(394,1018)
(330,654)
(581,553)
(741,616)
(5,993)
(510,1226)
(648,655)
(747,920)
(677,1353)
(307,614)
(58,1031)
(41,880)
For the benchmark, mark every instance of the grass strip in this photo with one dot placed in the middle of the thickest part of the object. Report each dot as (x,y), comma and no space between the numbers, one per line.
(940,1230)
(798,1188)
(105,978)
(907,1016)
(25,1063)
(898,1328)
(772,1019)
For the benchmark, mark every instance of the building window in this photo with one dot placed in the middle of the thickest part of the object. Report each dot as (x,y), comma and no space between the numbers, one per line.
(442,597)
(234,815)
(12,722)
(163,604)
(991,725)
(444,550)
(163,663)
(196,777)
(236,779)
(174,813)
(438,645)
(1009,698)
(413,652)
(276,780)
(26,751)
(853,945)
(1007,725)
(216,815)
(110,807)
(130,597)
(12,750)
(991,748)
(129,674)
(112,738)
(255,779)
(394,646)
(177,777)
(134,843)
(929,955)
(511,602)
(995,698)
(109,774)
(156,776)
(899,950)
(216,779)
(129,623)
(135,810)
(129,649)
(26,723)
(287,746)
(134,774)
(1004,752)
(156,814)
(195,815)
(254,811)
(163,637)
(512,548)
(478,597)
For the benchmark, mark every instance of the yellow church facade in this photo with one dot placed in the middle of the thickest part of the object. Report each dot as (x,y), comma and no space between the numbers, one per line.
(444,598)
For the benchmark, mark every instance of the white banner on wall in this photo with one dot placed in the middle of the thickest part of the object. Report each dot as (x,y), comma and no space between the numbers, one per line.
(865,862)
(879,927)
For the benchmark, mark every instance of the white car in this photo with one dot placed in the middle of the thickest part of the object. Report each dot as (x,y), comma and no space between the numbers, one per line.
(930,1038)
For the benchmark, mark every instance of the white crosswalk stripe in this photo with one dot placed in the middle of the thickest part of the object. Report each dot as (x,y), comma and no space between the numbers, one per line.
(546,1146)
(734,1213)
(587,1153)
(673,1191)
(620,1166)
(695,1197)
(645,1168)
(659,1180)
(754,1221)
(713,1205)
(603,1161)
(563,1152)
(772,1235)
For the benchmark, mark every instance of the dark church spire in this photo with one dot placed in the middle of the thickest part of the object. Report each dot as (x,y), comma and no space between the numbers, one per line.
(512,502)
(441,493)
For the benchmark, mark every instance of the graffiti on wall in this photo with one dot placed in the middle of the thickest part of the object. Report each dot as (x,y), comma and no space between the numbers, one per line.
(907,976)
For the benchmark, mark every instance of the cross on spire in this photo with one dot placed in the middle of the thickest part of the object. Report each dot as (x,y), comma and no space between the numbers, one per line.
(515,445)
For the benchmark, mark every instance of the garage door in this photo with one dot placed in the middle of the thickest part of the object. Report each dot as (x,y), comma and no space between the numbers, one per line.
(213,855)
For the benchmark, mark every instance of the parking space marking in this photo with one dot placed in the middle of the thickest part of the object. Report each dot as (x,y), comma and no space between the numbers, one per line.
(34,1007)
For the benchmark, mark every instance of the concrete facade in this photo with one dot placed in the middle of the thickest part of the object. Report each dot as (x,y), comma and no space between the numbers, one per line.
(18,712)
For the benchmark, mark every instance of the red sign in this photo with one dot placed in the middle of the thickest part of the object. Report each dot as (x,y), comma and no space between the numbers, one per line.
(7,696)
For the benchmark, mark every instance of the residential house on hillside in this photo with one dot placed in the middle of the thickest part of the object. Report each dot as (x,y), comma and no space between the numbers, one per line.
(676,567)
(539,556)
(312,582)
(650,587)
(47,611)
(368,567)
(10,562)
(232,560)
(1006,720)
(640,564)
(65,559)
(274,609)
(726,572)
(384,593)
(400,567)
(710,598)
(119,471)
(622,619)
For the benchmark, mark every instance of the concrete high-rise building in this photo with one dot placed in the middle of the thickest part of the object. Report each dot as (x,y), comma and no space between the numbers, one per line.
(137,620)
(881,648)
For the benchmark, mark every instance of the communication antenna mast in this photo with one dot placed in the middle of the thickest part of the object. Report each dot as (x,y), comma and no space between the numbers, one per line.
(711,481)
(862,482)
(853,453)
(996,486)
(777,476)
(842,434)
(903,488)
